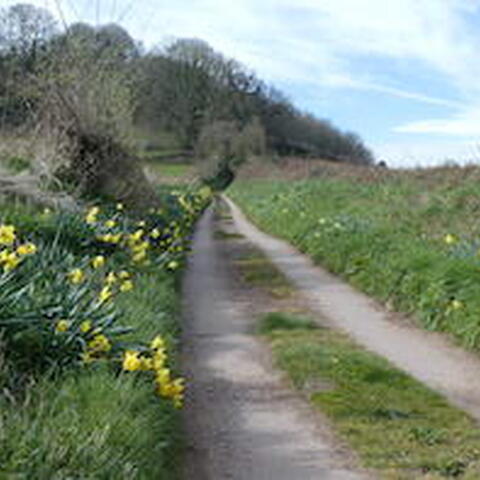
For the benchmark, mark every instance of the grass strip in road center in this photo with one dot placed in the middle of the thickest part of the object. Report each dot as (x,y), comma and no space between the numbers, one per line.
(395,423)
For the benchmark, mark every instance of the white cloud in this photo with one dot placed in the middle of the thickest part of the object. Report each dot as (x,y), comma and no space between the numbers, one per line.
(309,40)
(313,42)
(465,123)
(422,154)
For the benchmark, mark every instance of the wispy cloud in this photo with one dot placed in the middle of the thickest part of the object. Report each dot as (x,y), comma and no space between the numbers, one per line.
(466,123)
(390,48)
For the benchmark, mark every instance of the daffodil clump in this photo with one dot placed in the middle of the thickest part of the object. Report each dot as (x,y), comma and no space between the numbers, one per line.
(155,360)
(159,239)
(12,251)
(58,296)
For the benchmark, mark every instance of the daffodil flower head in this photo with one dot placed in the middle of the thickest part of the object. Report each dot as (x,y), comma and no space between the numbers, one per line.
(157,343)
(100,343)
(62,326)
(456,304)
(76,276)
(86,326)
(26,249)
(126,286)
(139,257)
(124,275)
(105,294)
(450,239)
(131,361)
(173,265)
(146,364)
(111,278)
(92,214)
(98,261)
(7,234)
(11,261)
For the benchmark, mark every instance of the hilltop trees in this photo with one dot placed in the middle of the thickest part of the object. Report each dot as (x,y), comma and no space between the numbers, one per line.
(187,87)
(99,80)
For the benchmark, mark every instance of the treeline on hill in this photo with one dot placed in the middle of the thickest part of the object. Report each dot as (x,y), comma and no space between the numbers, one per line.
(92,89)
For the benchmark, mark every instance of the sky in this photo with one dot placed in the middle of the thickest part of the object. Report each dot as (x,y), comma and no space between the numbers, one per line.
(403,74)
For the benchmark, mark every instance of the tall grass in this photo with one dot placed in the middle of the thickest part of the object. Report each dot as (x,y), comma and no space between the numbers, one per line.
(410,241)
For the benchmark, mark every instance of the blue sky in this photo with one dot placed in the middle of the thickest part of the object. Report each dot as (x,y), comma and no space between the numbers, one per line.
(404,74)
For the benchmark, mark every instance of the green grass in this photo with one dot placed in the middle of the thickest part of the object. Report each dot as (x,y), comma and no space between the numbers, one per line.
(283,321)
(396,425)
(258,271)
(88,421)
(386,237)
(173,169)
(99,424)
(222,235)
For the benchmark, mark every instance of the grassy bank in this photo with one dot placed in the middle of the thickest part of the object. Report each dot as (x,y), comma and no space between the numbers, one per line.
(98,422)
(397,426)
(88,322)
(410,240)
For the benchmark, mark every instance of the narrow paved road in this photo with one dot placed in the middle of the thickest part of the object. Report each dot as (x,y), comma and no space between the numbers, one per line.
(242,421)
(429,357)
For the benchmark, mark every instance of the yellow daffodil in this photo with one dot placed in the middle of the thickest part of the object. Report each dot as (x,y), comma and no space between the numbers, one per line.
(173,265)
(85,326)
(110,238)
(139,257)
(111,278)
(155,233)
(146,363)
(98,261)
(27,249)
(456,305)
(7,234)
(76,276)
(100,343)
(131,361)
(91,216)
(142,223)
(105,294)
(126,286)
(140,247)
(157,343)
(11,262)
(137,236)
(110,223)
(62,326)
(163,376)
(450,239)
(159,359)
(124,275)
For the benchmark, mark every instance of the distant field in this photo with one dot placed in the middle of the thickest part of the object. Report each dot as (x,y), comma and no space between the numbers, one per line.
(171,173)
(174,170)
(411,239)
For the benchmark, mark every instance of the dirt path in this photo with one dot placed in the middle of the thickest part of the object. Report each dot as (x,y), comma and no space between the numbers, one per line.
(243,422)
(426,356)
